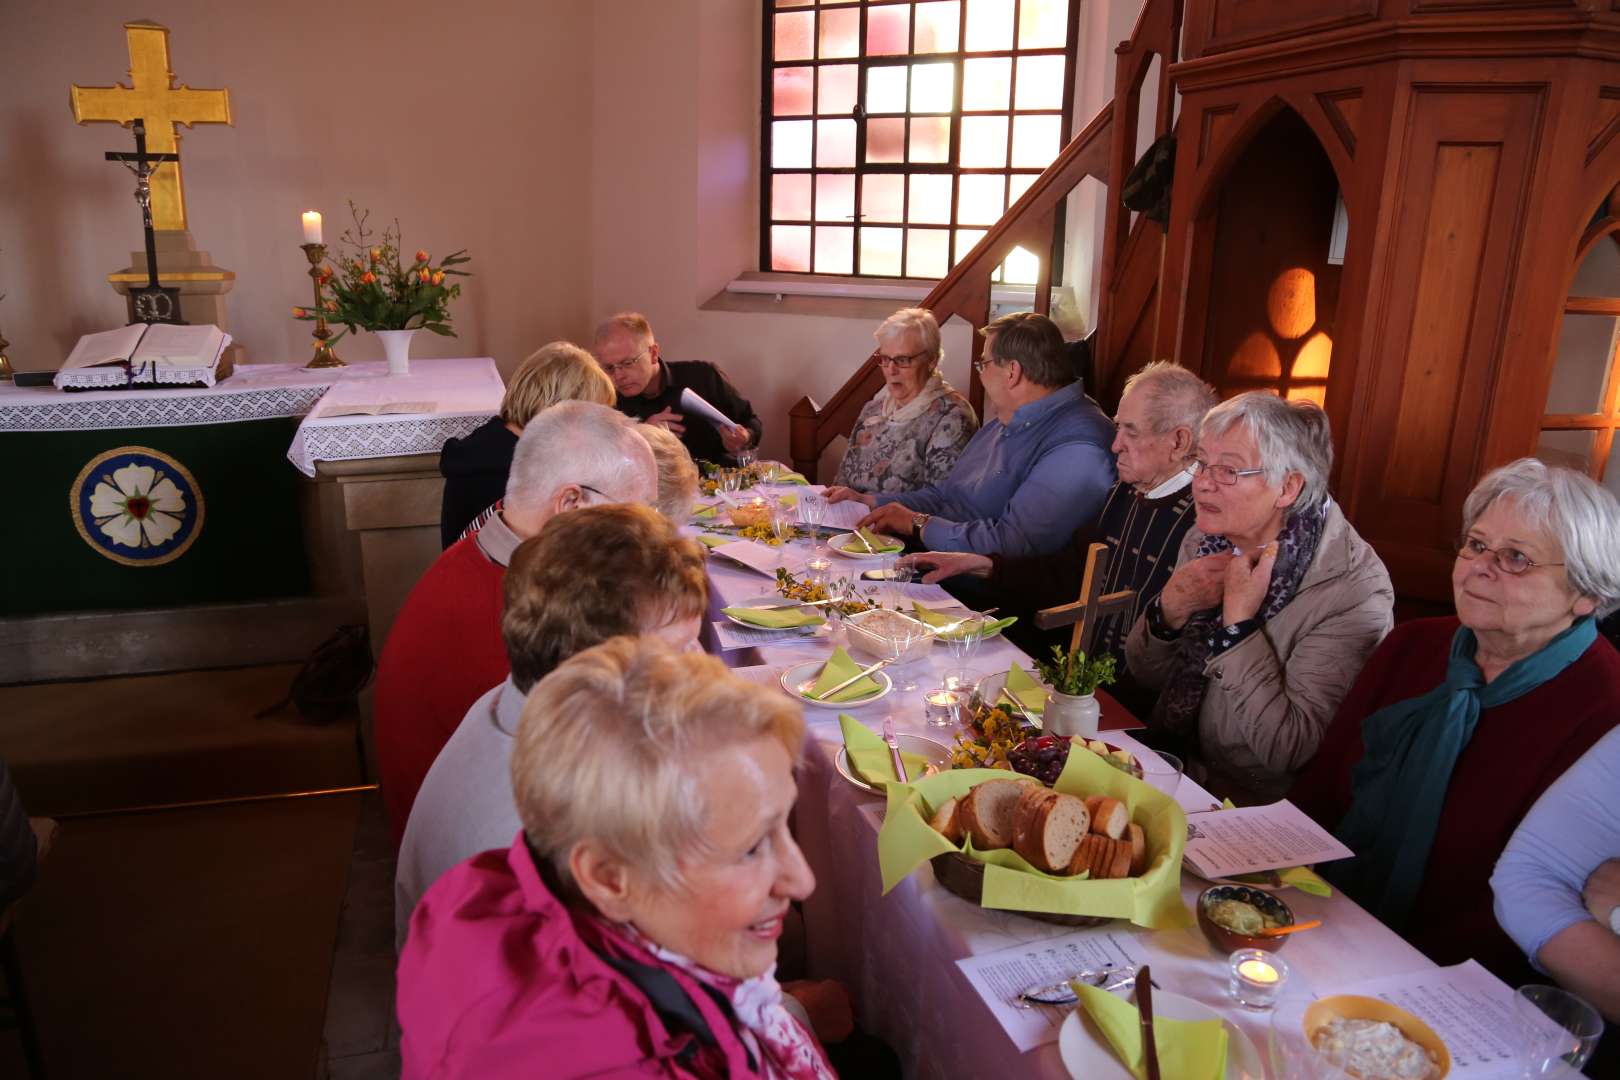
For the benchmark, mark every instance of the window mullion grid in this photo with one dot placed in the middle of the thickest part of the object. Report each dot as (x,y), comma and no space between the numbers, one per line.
(815,132)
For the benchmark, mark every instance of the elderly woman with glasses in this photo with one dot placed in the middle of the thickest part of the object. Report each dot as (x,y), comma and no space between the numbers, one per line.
(913,430)
(1457,725)
(1274,605)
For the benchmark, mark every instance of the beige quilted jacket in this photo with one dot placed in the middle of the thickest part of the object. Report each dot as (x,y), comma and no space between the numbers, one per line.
(1271,697)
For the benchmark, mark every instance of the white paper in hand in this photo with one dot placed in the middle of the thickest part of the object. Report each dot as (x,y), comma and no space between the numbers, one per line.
(693,402)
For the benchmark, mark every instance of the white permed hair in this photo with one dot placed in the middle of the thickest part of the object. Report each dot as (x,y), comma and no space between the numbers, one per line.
(1582,517)
(914,322)
(1291,436)
(1175,396)
(580,442)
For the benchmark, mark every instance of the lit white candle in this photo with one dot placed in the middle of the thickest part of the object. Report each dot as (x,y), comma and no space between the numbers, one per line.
(1257,971)
(312,226)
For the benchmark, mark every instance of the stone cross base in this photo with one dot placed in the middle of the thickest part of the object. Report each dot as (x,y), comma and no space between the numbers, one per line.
(202,285)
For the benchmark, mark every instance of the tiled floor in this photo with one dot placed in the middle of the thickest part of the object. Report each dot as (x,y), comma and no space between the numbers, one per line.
(362,1038)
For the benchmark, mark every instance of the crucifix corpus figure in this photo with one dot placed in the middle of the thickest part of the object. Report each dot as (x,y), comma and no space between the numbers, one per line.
(151,303)
(1088,612)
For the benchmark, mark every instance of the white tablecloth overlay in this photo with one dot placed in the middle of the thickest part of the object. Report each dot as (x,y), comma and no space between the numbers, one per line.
(254,392)
(897,954)
(465,393)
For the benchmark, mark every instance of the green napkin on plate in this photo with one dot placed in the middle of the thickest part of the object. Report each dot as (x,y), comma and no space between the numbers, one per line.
(1021,686)
(706,511)
(881,545)
(946,618)
(777,618)
(869,754)
(714,540)
(839,667)
(1188,1049)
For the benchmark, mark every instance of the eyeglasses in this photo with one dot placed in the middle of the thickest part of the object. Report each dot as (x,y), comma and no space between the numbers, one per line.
(624,365)
(594,491)
(983,362)
(899,363)
(1223,475)
(1508,560)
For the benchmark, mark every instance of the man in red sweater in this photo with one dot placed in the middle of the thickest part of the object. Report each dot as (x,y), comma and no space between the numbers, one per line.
(445,648)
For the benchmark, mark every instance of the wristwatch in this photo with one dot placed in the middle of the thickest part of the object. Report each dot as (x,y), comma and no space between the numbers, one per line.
(918,521)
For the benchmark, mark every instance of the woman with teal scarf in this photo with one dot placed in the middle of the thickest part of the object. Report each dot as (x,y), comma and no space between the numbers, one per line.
(1456,725)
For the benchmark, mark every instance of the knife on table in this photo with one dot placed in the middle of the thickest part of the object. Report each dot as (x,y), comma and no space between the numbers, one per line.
(851,681)
(1144,1005)
(894,751)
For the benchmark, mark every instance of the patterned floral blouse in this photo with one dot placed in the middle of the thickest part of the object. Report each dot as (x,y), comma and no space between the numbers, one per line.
(893,450)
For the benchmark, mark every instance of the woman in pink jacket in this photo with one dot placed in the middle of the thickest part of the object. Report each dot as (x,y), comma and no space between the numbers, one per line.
(631,929)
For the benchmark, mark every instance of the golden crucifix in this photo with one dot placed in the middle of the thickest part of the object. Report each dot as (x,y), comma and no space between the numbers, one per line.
(1088,612)
(153,97)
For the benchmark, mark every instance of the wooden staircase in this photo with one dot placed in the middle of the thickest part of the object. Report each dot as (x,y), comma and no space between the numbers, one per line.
(1128,291)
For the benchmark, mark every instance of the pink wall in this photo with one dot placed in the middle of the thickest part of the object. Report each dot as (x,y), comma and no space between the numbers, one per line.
(461,120)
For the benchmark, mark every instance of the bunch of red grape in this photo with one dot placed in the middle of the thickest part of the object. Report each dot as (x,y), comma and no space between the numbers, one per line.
(1042,757)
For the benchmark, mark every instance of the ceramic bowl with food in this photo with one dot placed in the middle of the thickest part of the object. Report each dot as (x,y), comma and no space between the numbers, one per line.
(1374,1038)
(1231,917)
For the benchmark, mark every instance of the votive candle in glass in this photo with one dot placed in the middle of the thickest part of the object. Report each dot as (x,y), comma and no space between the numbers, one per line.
(1257,978)
(818,571)
(941,707)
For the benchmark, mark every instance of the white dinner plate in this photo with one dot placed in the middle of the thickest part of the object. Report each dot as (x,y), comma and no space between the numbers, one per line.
(937,754)
(1087,1055)
(836,543)
(800,674)
(770,600)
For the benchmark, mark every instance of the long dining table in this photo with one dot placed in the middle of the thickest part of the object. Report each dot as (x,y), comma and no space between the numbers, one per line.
(898,953)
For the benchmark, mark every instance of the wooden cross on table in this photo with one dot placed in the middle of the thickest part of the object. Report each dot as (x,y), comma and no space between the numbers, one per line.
(1086,613)
(152,96)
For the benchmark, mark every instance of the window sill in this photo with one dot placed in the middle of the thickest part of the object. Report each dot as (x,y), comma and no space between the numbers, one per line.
(841,296)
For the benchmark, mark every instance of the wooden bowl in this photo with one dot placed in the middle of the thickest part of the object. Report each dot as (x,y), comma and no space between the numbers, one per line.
(1355,1007)
(965,877)
(1230,941)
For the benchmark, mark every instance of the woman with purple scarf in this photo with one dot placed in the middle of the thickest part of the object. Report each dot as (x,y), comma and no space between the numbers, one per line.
(1274,605)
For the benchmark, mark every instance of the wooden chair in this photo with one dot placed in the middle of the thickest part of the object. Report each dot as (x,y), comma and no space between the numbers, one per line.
(15,1013)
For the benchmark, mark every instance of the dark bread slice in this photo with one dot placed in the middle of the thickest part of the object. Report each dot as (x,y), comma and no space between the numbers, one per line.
(1119,865)
(1083,855)
(1138,841)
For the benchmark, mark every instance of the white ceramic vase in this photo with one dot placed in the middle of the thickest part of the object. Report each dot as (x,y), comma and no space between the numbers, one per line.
(1071,714)
(397,347)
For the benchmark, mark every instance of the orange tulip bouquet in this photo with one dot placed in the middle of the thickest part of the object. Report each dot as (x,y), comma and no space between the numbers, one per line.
(372,289)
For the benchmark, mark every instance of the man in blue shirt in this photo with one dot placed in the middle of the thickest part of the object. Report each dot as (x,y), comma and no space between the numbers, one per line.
(1038,469)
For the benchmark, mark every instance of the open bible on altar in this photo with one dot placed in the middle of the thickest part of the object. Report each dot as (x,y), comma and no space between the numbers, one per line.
(145,355)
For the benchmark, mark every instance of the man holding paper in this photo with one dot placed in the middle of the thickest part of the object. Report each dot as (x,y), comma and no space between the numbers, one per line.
(691,398)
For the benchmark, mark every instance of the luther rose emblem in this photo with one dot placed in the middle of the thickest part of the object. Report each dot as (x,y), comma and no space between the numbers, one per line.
(137,506)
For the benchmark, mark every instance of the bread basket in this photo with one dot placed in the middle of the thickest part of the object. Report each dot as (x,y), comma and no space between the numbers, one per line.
(965,877)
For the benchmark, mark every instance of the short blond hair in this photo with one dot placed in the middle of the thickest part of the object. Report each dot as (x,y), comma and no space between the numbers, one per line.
(919,323)
(592,574)
(677,472)
(560,371)
(633,323)
(608,749)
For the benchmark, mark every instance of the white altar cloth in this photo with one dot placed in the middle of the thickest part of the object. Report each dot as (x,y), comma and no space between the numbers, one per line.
(465,393)
(254,392)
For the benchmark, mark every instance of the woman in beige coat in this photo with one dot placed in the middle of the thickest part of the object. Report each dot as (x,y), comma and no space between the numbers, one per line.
(1274,606)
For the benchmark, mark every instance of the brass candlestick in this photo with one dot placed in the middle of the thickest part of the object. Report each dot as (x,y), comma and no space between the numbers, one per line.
(324,356)
(6,374)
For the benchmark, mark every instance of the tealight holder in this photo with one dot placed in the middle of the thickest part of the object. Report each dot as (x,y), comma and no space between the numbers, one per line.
(1257,978)
(818,571)
(942,707)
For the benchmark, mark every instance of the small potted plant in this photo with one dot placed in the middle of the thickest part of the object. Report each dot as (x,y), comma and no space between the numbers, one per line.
(1071,706)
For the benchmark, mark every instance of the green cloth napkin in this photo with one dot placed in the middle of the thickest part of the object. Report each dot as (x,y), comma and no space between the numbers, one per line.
(1021,686)
(705,511)
(714,540)
(1188,1049)
(839,667)
(869,754)
(1302,878)
(946,618)
(1153,900)
(777,618)
(882,545)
